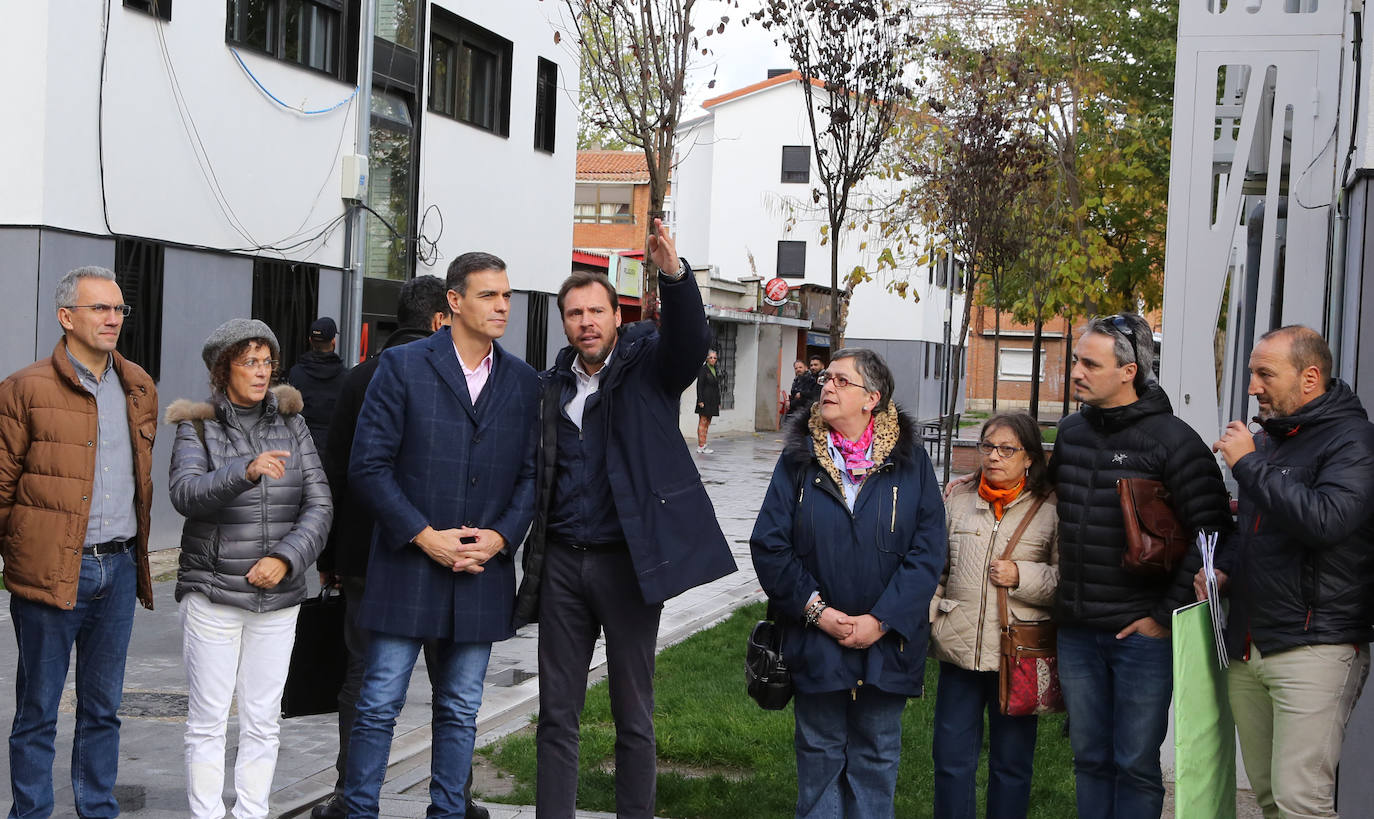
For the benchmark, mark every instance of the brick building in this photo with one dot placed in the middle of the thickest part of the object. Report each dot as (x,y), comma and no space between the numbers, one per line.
(611,204)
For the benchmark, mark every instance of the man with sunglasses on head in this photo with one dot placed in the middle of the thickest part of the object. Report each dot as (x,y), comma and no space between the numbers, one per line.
(1300,571)
(76,447)
(1115,656)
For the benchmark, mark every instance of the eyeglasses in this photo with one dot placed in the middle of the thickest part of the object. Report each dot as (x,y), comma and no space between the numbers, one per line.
(103,309)
(1123,326)
(840,381)
(255,363)
(1004,450)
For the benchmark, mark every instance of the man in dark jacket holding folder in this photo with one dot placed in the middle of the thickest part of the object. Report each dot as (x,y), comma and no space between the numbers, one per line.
(1115,655)
(622,521)
(1299,571)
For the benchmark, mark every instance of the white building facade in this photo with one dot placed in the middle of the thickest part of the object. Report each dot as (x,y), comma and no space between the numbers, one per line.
(742,193)
(197,149)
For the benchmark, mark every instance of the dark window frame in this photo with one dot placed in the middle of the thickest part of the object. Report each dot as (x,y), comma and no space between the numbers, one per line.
(545,106)
(286,296)
(161,9)
(795,251)
(798,169)
(139,272)
(462,41)
(276,12)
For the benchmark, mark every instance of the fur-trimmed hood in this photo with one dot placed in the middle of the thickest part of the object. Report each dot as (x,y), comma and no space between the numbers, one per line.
(282,399)
(895,438)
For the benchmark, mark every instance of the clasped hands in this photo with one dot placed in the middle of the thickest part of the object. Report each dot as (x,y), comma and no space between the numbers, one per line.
(463,549)
(850,632)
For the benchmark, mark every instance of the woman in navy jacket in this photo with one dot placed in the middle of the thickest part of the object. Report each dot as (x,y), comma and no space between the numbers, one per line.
(849,546)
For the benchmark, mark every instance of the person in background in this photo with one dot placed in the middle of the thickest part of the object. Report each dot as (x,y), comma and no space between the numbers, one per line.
(848,546)
(318,375)
(76,489)
(966,625)
(803,385)
(708,400)
(246,477)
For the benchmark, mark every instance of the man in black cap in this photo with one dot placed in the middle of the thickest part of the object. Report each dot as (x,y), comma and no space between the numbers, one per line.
(318,374)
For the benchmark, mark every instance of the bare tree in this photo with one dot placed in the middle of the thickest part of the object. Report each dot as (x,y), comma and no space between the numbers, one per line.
(854,58)
(634,56)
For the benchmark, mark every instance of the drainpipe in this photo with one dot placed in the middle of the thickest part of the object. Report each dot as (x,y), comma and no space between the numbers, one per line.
(355,249)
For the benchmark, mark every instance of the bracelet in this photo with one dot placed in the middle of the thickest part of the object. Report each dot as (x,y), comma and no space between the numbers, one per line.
(813,612)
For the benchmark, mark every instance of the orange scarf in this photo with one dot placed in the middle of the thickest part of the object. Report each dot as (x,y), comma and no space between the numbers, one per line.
(999,498)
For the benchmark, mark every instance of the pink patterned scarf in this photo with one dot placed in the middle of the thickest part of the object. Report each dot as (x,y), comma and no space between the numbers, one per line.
(855,453)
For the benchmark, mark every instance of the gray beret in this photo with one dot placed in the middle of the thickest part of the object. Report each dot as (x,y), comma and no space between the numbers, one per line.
(232,332)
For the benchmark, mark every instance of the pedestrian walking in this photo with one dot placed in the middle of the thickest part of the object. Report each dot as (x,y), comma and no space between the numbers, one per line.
(848,546)
(623,521)
(801,397)
(246,476)
(708,400)
(443,457)
(76,449)
(982,517)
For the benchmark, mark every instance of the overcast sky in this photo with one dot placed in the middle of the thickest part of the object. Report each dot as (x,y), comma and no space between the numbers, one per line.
(739,57)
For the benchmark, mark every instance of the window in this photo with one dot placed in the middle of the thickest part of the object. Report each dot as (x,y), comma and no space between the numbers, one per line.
(1015,364)
(537,331)
(796,163)
(138,271)
(723,335)
(285,298)
(792,260)
(939,360)
(545,105)
(958,276)
(942,271)
(603,204)
(304,32)
(161,9)
(469,73)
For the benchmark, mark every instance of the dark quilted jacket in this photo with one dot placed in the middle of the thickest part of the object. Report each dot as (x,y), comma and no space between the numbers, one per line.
(1303,560)
(1093,449)
(232,522)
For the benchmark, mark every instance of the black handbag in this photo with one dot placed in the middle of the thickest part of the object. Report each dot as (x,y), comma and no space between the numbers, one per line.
(319,659)
(766,673)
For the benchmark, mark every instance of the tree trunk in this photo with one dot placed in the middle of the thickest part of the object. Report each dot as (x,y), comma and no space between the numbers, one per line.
(996,347)
(1036,375)
(949,427)
(837,318)
(648,294)
(1068,366)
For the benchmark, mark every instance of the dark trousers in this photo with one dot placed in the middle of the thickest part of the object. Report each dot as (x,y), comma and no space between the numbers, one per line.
(582,594)
(960,702)
(357,639)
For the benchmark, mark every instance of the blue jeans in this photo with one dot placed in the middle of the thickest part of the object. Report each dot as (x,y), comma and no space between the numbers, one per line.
(457,674)
(1117,693)
(960,701)
(848,748)
(99,625)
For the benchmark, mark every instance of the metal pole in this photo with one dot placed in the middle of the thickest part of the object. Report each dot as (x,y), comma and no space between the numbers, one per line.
(357,251)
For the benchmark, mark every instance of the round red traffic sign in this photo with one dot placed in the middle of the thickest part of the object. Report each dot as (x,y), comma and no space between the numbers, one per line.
(775,292)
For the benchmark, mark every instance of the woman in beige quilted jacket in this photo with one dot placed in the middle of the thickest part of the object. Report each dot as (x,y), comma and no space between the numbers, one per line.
(982,516)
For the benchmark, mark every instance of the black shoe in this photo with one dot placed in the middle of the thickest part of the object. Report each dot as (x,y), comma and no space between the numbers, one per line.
(331,808)
(475,811)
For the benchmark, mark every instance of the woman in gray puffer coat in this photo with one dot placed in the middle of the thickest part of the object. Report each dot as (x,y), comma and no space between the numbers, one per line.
(246,476)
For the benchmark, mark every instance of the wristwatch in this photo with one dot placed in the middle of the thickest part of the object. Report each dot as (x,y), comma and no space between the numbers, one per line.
(682,267)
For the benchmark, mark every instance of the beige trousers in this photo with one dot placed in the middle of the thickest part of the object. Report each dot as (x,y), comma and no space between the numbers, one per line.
(1291,709)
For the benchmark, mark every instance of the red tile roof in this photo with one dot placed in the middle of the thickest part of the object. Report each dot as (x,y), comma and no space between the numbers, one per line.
(612,166)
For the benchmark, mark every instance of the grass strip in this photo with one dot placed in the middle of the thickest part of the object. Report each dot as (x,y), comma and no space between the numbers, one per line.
(720,756)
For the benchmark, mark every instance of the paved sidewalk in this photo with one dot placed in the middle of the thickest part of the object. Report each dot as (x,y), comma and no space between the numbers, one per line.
(152,777)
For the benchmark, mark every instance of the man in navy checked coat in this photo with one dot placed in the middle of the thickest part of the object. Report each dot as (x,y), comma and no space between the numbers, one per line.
(444,456)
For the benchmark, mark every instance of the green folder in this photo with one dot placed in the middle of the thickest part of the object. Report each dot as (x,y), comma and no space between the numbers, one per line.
(1204,732)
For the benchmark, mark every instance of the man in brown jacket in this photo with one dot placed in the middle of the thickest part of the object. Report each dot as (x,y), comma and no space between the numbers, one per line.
(76,445)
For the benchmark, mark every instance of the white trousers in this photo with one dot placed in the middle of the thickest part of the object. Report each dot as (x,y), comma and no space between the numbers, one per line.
(228,650)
